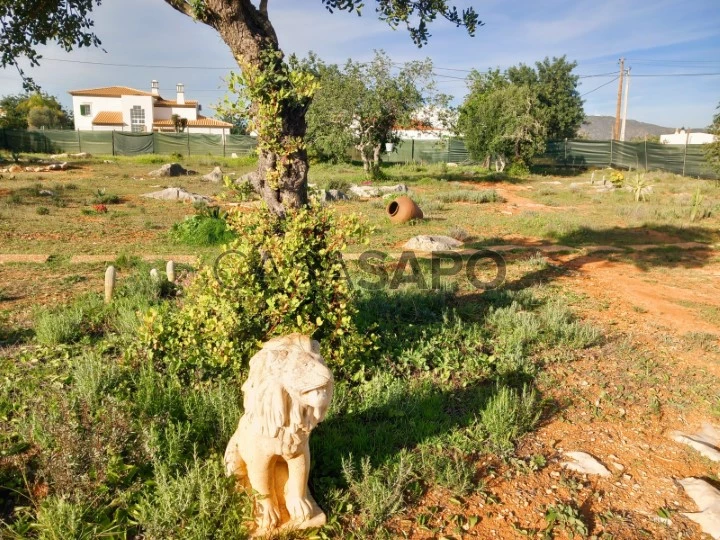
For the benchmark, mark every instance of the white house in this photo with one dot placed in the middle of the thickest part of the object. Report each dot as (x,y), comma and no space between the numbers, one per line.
(119,108)
(429,124)
(683,137)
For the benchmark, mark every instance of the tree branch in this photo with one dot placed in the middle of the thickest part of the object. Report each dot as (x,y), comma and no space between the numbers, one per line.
(263,7)
(182,6)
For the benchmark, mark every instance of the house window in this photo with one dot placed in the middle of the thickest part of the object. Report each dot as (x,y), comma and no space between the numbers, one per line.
(85,109)
(137,118)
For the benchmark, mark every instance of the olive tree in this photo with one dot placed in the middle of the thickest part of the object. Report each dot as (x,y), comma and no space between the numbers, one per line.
(279,97)
(361,105)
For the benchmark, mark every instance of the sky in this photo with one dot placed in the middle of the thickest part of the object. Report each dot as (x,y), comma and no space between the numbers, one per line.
(657,38)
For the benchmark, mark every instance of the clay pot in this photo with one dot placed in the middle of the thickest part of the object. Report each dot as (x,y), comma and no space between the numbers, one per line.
(403,209)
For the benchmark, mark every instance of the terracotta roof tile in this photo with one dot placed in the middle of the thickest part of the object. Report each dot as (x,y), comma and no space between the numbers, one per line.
(110,91)
(172,103)
(108,118)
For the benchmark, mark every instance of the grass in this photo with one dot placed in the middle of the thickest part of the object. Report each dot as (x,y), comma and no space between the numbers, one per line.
(96,441)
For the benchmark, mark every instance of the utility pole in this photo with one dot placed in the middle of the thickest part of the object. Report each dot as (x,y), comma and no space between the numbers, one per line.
(616,128)
(625,105)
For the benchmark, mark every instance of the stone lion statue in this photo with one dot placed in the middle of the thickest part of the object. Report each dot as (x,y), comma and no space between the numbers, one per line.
(287,393)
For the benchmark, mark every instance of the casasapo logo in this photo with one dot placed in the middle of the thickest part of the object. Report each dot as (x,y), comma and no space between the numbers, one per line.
(484,269)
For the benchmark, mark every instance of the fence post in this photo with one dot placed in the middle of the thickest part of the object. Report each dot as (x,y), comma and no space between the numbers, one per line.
(223,139)
(412,150)
(687,136)
(611,152)
(646,153)
(79,143)
(565,158)
(113,142)
(188,141)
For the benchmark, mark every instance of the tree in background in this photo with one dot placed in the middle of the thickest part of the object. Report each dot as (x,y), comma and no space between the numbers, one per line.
(359,106)
(36,111)
(555,86)
(279,96)
(712,150)
(501,120)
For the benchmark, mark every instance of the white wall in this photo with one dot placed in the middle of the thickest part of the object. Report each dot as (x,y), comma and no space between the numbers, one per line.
(164,113)
(146,102)
(692,138)
(97,104)
(422,135)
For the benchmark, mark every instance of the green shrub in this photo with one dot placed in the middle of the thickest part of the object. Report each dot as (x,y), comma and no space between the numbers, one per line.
(69,323)
(508,415)
(102,197)
(42,211)
(279,276)
(379,493)
(518,169)
(196,503)
(207,228)
(473,196)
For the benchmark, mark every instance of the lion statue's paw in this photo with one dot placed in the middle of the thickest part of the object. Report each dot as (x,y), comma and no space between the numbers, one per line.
(299,508)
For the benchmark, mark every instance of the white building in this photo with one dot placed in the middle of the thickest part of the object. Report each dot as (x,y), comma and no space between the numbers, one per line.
(683,137)
(119,108)
(428,124)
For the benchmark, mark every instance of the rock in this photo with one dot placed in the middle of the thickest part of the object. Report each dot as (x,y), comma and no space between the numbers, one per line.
(171,169)
(57,156)
(46,193)
(234,155)
(585,464)
(452,165)
(287,375)
(432,243)
(331,195)
(15,169)
(244,179)
(377,191)
(175,194)
(706,441)
(57,166)
(707,499)
(216,175)
(81,155)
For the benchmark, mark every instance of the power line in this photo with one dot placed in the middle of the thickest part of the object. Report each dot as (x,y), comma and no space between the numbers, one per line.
(135,65)
(599,87)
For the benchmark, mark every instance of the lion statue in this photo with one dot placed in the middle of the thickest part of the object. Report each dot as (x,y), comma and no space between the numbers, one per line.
(287,393)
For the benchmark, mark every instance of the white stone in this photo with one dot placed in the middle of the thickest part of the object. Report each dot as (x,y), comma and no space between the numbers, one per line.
(287,393)
(175,194)
(377,191)
(585,464)
(215,176)
(432,243)
(706,441)
(707,499)
(171,169)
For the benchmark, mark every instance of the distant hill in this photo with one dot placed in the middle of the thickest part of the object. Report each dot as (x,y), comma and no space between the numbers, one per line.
(600,128)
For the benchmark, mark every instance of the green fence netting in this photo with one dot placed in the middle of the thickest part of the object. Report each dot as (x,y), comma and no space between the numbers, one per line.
(242,145)
(132,144)
(688,160)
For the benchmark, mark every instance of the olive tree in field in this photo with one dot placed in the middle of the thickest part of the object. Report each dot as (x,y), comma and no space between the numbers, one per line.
(279,97)
(359,106)
(712,150)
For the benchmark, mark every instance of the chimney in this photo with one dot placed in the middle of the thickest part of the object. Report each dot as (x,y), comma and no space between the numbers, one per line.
(155,88)
(180,94)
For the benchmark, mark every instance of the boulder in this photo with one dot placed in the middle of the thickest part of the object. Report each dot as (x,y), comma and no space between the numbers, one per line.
(15,169)
(46,193)
(432,243)
(216,175)
(377,191)
(171,169)
(175,194)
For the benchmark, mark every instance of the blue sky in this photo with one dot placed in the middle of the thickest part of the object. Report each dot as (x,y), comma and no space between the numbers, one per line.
(656,37)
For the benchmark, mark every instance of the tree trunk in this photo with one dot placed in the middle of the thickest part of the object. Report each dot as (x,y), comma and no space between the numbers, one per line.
(376,160)
(246,29)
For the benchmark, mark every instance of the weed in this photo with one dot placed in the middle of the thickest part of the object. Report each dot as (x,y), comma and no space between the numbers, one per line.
(472,196)
(42,211)
(67,324)
(567,517)
(379,493)
(208,228)
(458,233)
(102,197)
(508,415)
